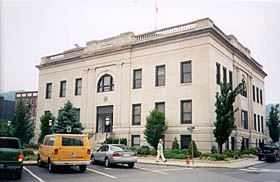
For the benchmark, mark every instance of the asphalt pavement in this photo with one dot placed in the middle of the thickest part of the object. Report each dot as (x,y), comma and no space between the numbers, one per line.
(266,172)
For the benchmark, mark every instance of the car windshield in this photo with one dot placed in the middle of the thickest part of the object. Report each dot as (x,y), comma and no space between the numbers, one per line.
(270,147)
(119,148)
(9,143)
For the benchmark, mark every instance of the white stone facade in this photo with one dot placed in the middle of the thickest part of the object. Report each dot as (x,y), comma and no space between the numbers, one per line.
(200,42)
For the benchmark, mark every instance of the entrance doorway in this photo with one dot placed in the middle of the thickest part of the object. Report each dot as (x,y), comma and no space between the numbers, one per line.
(104,113)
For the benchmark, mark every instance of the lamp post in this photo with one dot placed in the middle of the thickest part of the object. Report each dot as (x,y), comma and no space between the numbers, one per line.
(9,124)
(50,125)
(107,123)
(191,130)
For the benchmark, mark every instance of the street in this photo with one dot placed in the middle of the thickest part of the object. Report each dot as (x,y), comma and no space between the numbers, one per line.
(143,172)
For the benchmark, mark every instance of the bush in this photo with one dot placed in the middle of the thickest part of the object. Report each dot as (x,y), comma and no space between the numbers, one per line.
(232,154)
(251,151)
(145,147)
(109,140)
(123,141)
(175,144)
(214,149)
(34,146)
(132,149)
(27,152)
(196,152)
(145,151)
(174,154)
(116,140)
(153,152)
(185,151)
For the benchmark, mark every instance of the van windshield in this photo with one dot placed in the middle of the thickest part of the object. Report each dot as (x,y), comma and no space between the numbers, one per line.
(9,143)
(72,141)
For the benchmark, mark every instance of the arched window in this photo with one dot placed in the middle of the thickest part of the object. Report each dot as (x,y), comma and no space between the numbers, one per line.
(105,84)
(244,91)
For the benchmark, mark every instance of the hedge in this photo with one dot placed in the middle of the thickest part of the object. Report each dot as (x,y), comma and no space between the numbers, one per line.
(27,152)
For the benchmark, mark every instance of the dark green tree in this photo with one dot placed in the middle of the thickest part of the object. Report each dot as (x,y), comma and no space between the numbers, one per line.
(67,117)
(155,127)
(273,123)
(21,127)
(45,127)
(3,127)
(224,123)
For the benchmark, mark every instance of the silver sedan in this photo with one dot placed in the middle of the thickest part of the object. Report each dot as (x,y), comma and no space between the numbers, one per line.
(114,154)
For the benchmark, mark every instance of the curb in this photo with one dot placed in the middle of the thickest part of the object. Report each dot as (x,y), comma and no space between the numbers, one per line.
(29,163)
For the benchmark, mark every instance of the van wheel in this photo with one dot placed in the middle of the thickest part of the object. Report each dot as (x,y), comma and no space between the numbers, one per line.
(131,165)
(51,167)
(39,161)
(107,162)
(18,174)
(83,168)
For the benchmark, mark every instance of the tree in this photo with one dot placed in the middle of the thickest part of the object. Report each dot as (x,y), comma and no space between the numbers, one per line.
(45,128)
(22,128)
(155,127)
(67,117)
(273,123)
(3,127)
(224,123)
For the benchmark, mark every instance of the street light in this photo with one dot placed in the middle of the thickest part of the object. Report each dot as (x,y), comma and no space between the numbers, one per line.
(191,130)
(50,125)
(9,124)
(107,123)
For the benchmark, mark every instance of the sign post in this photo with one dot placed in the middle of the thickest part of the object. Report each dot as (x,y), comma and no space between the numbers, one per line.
(191,130)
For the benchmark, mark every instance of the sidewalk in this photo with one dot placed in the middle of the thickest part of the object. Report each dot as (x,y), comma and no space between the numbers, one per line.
(239,163)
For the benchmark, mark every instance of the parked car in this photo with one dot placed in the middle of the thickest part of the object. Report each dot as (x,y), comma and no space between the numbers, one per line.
(114,154)
(11,156)
(269,151)
(64,150)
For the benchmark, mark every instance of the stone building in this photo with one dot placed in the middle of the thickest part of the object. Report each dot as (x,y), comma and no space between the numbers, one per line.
(175,69)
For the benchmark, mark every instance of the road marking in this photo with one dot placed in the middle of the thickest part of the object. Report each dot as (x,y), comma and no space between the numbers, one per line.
(92,170)
(150,170)
(39,179)
(175,169)
(252,169)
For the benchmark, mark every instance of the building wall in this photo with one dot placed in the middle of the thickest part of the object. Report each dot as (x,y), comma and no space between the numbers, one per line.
(6,109)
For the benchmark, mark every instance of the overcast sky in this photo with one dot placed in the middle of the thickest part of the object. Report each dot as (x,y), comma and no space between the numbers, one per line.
(31,29)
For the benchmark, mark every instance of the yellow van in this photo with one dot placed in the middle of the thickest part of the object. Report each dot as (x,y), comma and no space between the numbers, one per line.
(64,150)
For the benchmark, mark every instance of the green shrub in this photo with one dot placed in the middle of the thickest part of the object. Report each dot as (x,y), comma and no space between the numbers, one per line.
(145,151)
(196,153)
(205,155)
(231,153)
(214,149)
(174,154)
(175,144)
(30,157)
(153,152)
(132,149)
(184,151)
(123,141)
(27,152)
(116,140)
(145,147)
(109,140)
(139,151)
(34,146)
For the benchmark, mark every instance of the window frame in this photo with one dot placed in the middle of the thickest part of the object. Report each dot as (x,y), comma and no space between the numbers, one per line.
(48,90)
(132,141)
(101,86)
(259,124)
(257,90)
(261,98)
(186,73)
(157,76)
(245,121)
(255,122)
(262,124)
(136,80)
(230,78)
(160,103)
(254,94)
(78,89)
(224,74)
(182,112)
(62,91)
(218,73)
(244,86)
(134,115)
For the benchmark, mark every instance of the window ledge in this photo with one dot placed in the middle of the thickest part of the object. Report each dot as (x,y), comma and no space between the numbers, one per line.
(184,84)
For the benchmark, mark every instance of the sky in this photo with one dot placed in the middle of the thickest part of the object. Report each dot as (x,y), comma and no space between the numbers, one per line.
(31,29)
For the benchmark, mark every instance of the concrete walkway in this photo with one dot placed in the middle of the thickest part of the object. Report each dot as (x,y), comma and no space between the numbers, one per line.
(239,163)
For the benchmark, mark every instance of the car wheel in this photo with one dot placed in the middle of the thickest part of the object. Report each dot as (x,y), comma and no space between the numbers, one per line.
(107,162)
(92,159)
(83,168)
(39,161)
(18,174)
(51,167)
(131,165)
(260,158)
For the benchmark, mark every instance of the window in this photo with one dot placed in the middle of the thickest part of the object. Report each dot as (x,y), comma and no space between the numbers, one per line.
(259,127)
(135,141)
(186,72)
(230,78)
(257,94)
(254,94)
(137,78)
(62,92)
(185,141)
(72,141)
(262,123)
(246,143)
(244,91)
(160,75)
(32,101)
(255,122)
(232,140)
(48,90)
(136,114)
(78,86)
(218,76)
(224,74)
(160,106)
(51,141)
(46,141)
(261,100)
(244,119)
(105,84)
(78,114)
(8,143)
(186,112)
